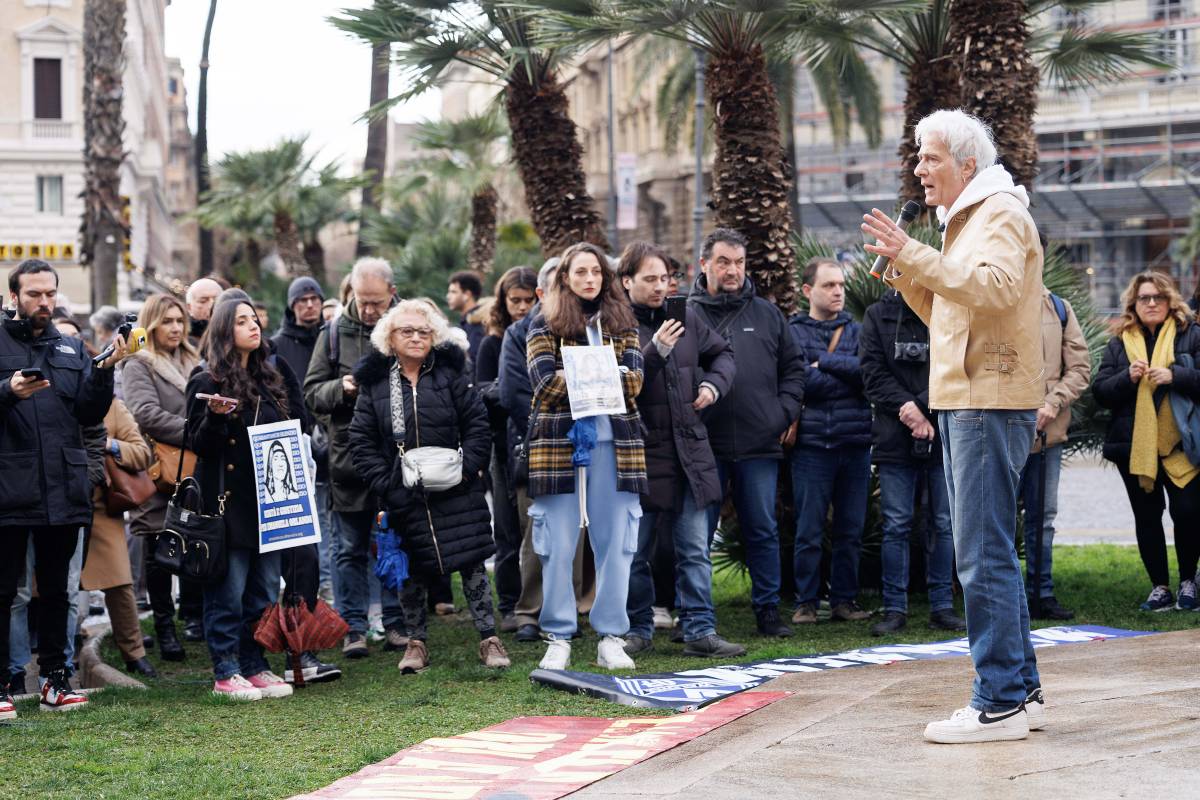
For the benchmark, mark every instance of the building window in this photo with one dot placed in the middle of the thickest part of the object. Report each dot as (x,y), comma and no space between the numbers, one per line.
(47,88)
(172,86)
(50,194)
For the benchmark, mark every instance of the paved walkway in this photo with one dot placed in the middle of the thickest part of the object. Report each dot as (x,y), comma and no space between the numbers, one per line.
(1093,507)
(1123,721)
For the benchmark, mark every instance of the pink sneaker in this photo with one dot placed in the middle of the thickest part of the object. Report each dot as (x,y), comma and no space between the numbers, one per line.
(235,687)
(270,684)
(7,709)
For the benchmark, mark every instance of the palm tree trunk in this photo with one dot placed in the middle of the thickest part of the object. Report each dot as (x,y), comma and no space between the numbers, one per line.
(550,162)
(483,229)
(314,256)
(375,162)
(930,85)
(750,183)
(998,78)
(201,155)
(102,227)
(288,244)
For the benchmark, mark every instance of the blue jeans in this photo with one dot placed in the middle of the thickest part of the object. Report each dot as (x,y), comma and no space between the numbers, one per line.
(842,476)
(754,487)
(984,452)
(327,547)
(613,533)
(352,590)
(73,572)
(232,609)
(899,487)
(1039,512)
(693,572)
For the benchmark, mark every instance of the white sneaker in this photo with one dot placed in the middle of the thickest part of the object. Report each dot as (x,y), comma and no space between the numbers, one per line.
(972,725)
(662,619)
(1035,710)
(610,654)
(558,654)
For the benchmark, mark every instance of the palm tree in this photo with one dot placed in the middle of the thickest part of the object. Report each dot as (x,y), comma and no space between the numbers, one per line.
(466,157)
(203,184)
(750,174)
(102,226)
(375,161)
(427,38)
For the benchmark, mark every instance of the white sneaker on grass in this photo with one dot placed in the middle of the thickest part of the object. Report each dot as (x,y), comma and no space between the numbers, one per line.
(558,654)
(1035,710)
(662,618)
(969,725)
(610,654)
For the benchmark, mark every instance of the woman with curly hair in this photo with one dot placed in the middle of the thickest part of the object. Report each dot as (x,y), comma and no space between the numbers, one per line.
(1141,376)
(584,306)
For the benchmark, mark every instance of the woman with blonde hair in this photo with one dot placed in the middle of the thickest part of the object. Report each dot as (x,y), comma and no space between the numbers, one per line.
(1149,366)
(414,392)
(154,380)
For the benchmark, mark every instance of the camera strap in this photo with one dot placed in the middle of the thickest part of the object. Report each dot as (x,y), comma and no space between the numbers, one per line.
(837,337)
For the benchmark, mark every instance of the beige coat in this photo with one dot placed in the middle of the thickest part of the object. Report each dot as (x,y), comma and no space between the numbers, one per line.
(981,298)
(1068,367)
(108,557)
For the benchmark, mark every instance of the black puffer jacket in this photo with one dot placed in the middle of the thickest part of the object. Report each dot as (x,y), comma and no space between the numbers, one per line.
(836,413)
(1115,390)
(889,383)
(677,448)
(447,412)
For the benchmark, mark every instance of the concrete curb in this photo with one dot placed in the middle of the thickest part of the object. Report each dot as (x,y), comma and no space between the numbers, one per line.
(93,672)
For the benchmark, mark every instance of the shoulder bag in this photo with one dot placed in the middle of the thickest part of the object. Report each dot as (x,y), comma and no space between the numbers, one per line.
(167,460)
(126,489)
(434,469)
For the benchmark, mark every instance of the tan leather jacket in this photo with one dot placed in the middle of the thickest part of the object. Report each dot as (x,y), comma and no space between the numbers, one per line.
(982,300)
(1068,367)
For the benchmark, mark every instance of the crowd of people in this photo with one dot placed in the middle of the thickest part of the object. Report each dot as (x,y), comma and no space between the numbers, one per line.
(590,501)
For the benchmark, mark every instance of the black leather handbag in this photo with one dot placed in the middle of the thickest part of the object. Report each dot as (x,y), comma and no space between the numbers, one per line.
(192,543)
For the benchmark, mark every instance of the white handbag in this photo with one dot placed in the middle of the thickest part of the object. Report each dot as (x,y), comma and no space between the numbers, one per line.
(434,469)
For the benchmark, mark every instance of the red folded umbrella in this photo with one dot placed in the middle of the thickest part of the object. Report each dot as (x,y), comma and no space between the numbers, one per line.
(294,629)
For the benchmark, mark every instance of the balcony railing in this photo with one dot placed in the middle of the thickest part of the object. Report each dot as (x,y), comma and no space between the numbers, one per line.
(51,129)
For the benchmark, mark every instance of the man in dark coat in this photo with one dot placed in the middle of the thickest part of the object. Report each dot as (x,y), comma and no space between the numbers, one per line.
(687,367)
(894,353)
(45,493)
(747,426)
(831,464)
(462,297)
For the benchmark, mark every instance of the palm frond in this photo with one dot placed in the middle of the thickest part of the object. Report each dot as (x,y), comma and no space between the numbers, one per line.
(1077,57)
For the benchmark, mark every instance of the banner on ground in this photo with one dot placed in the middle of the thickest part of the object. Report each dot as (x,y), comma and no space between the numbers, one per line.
(286,503)
(533,758)
(694,688)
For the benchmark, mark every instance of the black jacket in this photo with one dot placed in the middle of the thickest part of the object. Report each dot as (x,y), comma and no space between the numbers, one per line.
(447,412)
(677,448)
(43,463)
(1114,389)
(514,392)
(294,343)
(835,413)
(222,447)
(889,383)
(748,421)
(487,371)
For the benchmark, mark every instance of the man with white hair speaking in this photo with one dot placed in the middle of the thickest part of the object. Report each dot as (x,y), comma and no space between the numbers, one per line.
(981,297)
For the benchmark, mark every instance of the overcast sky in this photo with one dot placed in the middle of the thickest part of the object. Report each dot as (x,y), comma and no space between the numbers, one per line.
(277,68)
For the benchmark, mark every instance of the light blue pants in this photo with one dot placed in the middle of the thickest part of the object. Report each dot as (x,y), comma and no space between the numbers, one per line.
(613,518)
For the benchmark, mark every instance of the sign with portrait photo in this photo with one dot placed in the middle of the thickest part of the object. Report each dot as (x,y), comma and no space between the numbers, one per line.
(287,505)
(593,381)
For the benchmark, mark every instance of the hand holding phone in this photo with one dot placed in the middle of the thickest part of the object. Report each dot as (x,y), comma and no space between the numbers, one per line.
(26,382)
(218,404)
(676,308)
(33,374)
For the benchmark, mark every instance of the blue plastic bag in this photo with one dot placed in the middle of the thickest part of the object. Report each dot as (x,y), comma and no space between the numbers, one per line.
(391,562)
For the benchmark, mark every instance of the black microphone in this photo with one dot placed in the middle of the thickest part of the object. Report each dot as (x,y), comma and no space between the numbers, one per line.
(911,211)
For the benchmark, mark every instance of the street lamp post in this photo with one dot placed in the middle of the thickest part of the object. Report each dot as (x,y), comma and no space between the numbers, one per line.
(612,159)
(698,207)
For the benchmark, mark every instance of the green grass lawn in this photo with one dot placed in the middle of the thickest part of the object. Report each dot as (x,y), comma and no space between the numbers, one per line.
(177,741)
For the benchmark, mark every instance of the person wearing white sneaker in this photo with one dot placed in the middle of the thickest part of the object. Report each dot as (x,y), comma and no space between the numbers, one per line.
(558,654)
(610,654)
(235,687)
(1035,710)
(969,725)
(270,685)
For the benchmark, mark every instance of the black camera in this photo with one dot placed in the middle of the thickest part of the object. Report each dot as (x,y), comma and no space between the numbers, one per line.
(922,448)
(911,351)
(126,327)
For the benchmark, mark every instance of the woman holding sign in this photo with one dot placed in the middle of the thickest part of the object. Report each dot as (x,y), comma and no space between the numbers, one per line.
(238,389)
(416,406)
(587,464)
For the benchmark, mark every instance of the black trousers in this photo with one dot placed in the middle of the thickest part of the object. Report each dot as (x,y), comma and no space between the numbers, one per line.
(301,571)
(53,547)
(1147,517)
(506,530)
(158,586)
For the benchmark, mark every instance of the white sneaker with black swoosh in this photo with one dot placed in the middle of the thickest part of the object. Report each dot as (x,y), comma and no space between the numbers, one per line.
(968,725)
(1035,710)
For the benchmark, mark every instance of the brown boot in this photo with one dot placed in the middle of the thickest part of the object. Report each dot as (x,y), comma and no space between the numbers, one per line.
(806,614)
(416,658)
(492,653)
(848,612)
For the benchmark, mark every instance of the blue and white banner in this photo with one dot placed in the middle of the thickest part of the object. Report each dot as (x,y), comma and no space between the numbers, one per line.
(693,688)
(286,503)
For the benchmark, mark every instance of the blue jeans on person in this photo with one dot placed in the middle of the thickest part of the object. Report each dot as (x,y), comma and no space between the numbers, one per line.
(900,485)
(984,452)
(693,571)
(754,482)
(352,590)
(1037,511)
(73,572)
(820,476)
(613,519)
(232,609)
(327,547)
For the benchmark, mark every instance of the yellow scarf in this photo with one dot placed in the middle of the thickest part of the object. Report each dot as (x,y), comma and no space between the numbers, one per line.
(1155,434)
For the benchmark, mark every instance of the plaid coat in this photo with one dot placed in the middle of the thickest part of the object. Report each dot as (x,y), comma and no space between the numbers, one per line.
(550,468)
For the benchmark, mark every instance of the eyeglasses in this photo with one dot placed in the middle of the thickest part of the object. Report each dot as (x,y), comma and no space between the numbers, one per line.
(679,276)
(415,333)
(1151,299)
